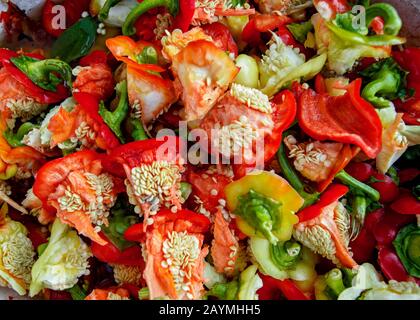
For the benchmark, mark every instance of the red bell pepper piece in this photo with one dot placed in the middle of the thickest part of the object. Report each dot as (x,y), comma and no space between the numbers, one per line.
(287,287)
(260,23)
(197,223)
(167,225)
(95,57)
(135,233)
(268,22)
(346,119)
(145,26)
(347,153)
(250,34)
(202,184)
(125,49)
(90,105)
(323,214)
(140,152)
(72,174)
(320,86)
(221,36)
(409,59)
(109,253)
(167,153)
(332,194)
(406,204)
(185,15)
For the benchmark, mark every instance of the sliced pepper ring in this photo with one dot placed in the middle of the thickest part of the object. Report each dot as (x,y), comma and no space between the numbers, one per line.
(273,187)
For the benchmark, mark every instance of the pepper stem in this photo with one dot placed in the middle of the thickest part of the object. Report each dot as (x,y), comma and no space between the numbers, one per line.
(334,280)
(393,21)
(104,12)
(358,215)
(144,293)
(138,133)
(293,178)
(115,118)
(359,186)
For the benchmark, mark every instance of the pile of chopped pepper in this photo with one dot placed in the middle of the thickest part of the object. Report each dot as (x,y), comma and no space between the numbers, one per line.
(131,165)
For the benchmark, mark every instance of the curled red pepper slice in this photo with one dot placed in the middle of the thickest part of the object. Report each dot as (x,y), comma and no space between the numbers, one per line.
(109,253)
(332,194)
(347,119)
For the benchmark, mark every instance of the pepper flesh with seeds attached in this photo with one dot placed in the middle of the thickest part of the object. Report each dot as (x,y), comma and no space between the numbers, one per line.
(152,169)
(77,190)
(175,253)
(146,5)
(323,227)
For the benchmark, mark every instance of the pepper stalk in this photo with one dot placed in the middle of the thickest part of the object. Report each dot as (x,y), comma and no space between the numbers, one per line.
(15,139)
(43,72)
(359,187)
(104,12)
(128,26)
(362,196)
(330,285)
(387,81)
(293,178)
(390,15)
(137,132)
(115,118)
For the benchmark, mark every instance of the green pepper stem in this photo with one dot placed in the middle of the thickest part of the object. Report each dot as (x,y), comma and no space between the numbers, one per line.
(144,293)
(287,169)
(128,28)
(385,84)
(41,72)
(15,140)
(360,186)
(115,118)
(104,12)
(358,214)
(292,248)
(334,280)
(45,67)
(372,41)
(148,55)
(77,293)
(186,190)
(393,21)
(293,178)
(138,133)
(9,173)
